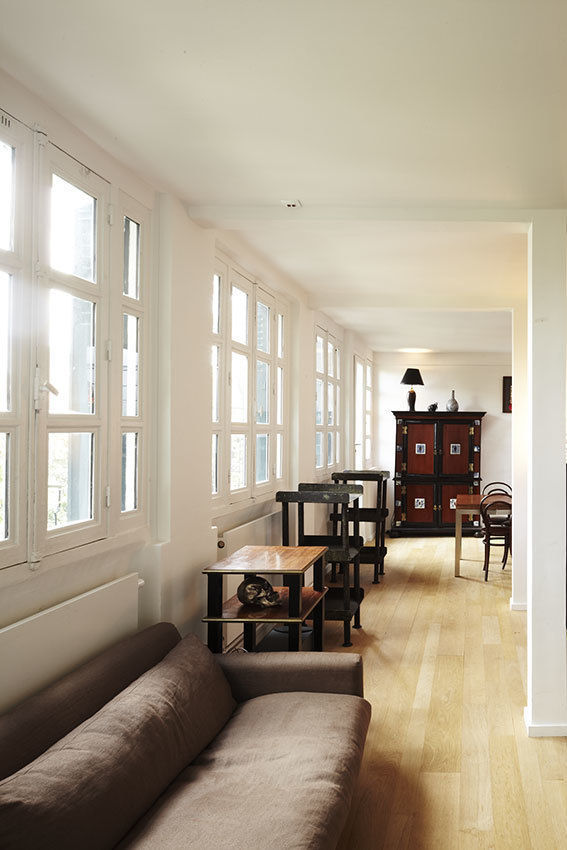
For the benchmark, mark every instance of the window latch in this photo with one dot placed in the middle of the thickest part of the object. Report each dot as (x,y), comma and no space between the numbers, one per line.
(38,388)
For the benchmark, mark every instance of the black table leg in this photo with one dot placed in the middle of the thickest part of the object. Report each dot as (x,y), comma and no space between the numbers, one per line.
(214,609)
(294,637)
(249,637)
(318,618)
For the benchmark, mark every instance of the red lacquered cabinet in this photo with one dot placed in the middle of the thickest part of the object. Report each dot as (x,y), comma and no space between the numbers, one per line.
(437,457)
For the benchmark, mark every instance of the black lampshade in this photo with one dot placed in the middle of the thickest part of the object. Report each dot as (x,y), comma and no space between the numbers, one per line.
(412,377)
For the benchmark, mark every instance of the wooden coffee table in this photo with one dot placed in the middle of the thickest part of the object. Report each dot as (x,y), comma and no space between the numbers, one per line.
(298,602)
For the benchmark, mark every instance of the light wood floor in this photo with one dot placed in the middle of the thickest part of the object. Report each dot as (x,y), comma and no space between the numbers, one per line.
(448,763)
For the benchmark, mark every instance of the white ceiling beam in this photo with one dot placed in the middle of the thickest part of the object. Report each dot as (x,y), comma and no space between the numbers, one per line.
(463,302)
(235,217)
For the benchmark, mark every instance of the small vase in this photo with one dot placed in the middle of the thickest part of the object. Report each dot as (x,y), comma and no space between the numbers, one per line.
(452,405)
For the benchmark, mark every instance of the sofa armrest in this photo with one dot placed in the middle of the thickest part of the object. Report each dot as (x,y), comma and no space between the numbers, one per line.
(254,674)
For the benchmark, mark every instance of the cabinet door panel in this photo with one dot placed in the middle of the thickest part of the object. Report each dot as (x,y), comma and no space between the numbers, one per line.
(420,501)
(455,458)
(447,496)
(420,449)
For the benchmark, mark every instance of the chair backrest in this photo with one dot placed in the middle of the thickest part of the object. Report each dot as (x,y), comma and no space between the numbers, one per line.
(359,475)
(494,511)
(318,497)
(303,497)
(352,489)
(496,487)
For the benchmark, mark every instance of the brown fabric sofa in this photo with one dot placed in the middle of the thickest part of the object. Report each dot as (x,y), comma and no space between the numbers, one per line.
(157,743)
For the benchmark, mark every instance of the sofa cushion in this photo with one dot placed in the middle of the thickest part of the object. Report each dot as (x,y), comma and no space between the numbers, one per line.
(280,775)
(30,728)
(88,789)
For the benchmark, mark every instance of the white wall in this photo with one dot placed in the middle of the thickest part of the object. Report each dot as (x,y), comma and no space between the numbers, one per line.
(477,381)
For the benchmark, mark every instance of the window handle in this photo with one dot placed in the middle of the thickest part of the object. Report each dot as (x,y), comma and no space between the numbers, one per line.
(47,387)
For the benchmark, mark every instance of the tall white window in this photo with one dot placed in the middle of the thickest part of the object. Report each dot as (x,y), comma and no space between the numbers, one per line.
(133,224)
(58,332)
(249,387)
(362,413)
(328,413)
(368,414)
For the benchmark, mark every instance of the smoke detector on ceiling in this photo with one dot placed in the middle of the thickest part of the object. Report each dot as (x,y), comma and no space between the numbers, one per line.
(291,205)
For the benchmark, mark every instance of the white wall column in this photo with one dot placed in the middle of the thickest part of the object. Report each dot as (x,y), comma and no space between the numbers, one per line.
(546,712)
(520,422)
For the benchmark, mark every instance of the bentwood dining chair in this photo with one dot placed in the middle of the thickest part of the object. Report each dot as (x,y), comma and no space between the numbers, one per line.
(496,516)
(496,487)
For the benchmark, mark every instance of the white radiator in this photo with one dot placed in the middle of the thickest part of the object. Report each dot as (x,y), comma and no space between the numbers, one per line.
(42,648)
(264,531)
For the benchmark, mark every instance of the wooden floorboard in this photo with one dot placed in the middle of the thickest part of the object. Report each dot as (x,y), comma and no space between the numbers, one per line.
(448,764)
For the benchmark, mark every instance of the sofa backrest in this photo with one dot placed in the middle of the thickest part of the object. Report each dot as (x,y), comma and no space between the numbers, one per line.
(31,727)
(90,788)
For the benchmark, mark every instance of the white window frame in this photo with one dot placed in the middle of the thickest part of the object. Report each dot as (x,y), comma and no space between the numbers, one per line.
(368,402)
(29,422)
(124,206)
(54,161)
(362,458)
(230,274)
(17,264)
(330,380)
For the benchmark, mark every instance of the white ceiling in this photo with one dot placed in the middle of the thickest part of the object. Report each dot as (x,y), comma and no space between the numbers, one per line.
(391,121)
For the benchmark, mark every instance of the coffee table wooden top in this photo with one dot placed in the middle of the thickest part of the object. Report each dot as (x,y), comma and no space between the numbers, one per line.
(263,560)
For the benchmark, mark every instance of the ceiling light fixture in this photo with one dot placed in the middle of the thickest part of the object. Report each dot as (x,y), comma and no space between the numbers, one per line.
(291,205)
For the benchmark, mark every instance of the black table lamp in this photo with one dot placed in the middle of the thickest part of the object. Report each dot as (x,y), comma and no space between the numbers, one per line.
(411,377)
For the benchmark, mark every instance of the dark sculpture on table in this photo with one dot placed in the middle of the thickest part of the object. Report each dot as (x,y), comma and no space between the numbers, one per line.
(257,592)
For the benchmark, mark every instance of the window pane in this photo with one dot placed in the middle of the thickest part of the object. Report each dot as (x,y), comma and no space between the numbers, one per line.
(368,376)
(130,376)
(238,479)
(7,171)
(5,333)
(330,404)
(262,392)
(338,369)
(279,396)
(330,358)
(215,465)
(239,316)
(263,327)
(330,450)
(72,356)
(261,458)
(69,479)
(239,387)
(319,389)
(318,449)
(338,407)
(368,400)
(216,303)
(280,335)
(337,447)
(131,282)
(279,455)
(73,226)
(129,471)
(215,364)
(4,491)
(319,354)
(368,448)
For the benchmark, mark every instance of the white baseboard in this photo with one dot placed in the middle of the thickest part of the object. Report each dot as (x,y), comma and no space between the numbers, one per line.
(544,730)
(518,606)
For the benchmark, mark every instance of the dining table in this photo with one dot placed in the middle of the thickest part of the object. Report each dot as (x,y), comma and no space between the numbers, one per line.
(469,503)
